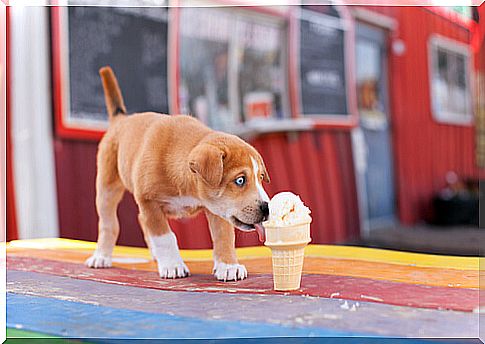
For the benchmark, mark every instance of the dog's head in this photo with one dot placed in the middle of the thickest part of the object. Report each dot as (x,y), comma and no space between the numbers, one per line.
(229,174)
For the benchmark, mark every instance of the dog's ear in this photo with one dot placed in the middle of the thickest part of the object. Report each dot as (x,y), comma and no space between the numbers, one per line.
(265,171)
(206,160)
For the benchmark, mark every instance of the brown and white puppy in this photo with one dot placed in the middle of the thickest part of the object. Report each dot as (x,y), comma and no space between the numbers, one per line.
(175,167)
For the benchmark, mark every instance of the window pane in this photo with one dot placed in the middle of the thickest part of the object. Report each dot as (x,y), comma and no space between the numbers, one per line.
(460,71)
(231,67)
(442,63)
(369,81)
(261,73)
(450,84)
(457,87)
(204,53)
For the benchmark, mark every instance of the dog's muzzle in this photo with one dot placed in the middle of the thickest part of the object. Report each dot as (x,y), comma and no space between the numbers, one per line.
(258,227)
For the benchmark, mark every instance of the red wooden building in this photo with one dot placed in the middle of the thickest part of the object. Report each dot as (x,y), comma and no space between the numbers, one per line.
(363,128)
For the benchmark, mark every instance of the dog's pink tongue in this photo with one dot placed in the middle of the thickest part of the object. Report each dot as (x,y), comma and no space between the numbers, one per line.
(261,233)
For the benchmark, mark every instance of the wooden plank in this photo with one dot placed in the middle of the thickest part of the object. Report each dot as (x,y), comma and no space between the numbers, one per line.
(286,310)
(397,101)
(350,288)
(325,251)
(320,225)
(335,188)
(72,319)
(312,265)
(349,186)
(330,184)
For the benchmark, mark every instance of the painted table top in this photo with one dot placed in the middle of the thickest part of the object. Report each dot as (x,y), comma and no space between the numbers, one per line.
(345,291)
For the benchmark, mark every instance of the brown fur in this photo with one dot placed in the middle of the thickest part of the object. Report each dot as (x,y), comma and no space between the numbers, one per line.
(160,158)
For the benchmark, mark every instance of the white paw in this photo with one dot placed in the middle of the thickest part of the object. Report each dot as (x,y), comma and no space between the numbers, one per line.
(229,272)
(174,270)
(98,260)
(166,252)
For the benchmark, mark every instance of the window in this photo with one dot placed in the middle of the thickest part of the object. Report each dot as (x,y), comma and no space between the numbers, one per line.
(204,54)
(260,69)
(371,74)
(323,63)
(450,81)
(132,40)
(232,67)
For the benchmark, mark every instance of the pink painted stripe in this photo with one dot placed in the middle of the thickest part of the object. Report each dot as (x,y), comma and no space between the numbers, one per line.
(342,287)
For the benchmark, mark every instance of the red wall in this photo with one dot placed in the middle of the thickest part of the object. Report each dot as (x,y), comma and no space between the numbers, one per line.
(316,165)
(424,149)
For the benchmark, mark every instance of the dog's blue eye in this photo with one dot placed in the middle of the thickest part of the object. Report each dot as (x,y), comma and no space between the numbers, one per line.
(240,181)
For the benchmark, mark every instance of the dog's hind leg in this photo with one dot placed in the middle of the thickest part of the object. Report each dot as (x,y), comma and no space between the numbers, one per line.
(109,191)
(162,241)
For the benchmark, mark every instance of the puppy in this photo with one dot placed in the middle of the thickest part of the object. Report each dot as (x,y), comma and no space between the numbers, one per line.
(175,167)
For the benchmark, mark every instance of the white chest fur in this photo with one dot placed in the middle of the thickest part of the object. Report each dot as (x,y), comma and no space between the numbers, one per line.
(181,205)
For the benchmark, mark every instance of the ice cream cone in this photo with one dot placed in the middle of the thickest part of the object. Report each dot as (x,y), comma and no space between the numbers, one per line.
(287,245)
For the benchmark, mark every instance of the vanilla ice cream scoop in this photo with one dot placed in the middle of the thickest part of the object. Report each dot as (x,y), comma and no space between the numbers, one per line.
(287,209)
(287,234)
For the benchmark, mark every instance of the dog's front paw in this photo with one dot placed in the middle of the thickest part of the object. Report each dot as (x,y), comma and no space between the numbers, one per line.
(98,260)
(229,272)
(174,270)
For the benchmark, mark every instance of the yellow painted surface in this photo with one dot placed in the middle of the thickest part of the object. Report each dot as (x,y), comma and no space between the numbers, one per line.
(319,251)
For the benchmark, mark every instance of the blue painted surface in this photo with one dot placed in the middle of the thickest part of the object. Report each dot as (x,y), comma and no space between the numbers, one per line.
(287,340)
(72,319)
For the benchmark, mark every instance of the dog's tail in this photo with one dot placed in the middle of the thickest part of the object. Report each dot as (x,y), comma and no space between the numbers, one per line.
(112,94)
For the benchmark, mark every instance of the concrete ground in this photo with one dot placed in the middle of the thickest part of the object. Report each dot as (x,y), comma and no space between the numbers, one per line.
(463,240)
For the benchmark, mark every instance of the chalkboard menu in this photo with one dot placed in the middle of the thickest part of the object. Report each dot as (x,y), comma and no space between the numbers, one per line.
(322,64)
(133,41)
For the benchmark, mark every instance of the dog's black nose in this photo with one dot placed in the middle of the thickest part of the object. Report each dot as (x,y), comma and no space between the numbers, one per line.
(264,209)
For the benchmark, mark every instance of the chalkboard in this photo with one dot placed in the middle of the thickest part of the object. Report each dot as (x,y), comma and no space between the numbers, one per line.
(322,64)
(133,41)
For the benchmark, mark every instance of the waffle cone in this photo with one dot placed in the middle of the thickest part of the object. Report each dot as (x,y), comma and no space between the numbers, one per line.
(288,250)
